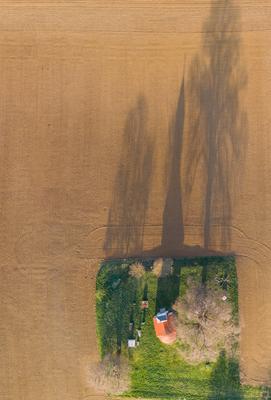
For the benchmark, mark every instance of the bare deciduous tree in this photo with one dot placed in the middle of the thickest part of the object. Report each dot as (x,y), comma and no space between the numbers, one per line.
(204,323)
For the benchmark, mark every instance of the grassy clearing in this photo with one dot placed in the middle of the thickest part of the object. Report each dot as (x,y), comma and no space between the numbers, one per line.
(157,370)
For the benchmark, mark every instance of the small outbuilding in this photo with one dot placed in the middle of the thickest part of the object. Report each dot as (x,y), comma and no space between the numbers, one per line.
(144,304)
(131,343)
(164,326)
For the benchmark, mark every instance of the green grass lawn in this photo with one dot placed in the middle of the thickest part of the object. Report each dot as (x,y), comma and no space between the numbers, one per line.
(157,370)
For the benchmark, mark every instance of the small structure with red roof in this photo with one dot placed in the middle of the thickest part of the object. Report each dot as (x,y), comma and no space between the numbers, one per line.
(164,326)
(144,304)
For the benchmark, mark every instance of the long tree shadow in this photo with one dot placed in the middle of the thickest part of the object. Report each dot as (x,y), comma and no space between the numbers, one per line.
(168,289)
(208,153)
(132,186)
(217,124)
(173,229)
(225,379)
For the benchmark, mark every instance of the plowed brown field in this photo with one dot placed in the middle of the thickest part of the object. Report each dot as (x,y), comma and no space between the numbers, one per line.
(127,128)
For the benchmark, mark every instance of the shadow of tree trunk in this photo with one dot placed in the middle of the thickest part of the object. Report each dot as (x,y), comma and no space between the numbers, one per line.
(173,229)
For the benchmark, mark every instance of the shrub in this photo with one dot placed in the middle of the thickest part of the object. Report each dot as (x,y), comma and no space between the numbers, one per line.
(137,270)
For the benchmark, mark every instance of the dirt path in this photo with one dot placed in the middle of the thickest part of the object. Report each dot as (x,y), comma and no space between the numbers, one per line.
(104,153)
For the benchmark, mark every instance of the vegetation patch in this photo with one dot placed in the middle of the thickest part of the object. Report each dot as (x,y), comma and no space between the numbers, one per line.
(201,296)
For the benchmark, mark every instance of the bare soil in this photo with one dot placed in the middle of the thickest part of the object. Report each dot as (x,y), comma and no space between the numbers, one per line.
(104,153)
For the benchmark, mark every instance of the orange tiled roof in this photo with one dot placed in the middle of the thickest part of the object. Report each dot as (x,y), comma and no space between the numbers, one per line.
(165,330)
